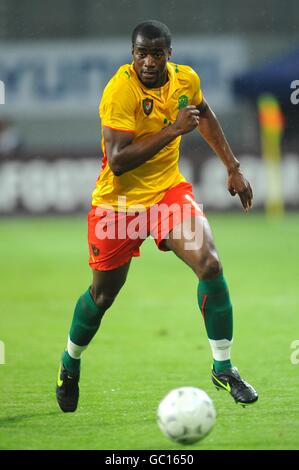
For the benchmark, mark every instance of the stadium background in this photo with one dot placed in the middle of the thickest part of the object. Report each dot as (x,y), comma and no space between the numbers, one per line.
(55,58)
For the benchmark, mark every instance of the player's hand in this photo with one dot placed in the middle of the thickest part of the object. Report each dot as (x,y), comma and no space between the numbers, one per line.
(237,184)
(187,119)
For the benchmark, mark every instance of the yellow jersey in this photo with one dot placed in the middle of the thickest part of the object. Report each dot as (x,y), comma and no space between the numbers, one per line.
(128,105)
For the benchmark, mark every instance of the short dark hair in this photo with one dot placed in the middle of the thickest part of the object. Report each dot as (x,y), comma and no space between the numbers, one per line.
(151,30)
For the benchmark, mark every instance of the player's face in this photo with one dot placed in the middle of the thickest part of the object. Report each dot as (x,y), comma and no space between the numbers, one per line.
(150,61)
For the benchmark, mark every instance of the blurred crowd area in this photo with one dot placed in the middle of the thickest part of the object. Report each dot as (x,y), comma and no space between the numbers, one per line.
(100,18)
(56,58)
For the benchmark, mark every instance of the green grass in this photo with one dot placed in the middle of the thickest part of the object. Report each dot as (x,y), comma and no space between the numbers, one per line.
(152,340)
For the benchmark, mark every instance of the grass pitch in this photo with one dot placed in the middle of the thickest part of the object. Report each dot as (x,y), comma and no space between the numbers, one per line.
(152,339)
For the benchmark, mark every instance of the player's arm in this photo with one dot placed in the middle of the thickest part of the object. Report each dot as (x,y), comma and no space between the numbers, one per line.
(124,154)
(212,132)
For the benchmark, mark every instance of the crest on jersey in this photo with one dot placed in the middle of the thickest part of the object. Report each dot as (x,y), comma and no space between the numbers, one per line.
(147,105)
(182,102)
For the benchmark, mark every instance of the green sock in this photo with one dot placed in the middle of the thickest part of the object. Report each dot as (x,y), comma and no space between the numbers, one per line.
(71,365)
(215,305)
(86,321)
(220,366)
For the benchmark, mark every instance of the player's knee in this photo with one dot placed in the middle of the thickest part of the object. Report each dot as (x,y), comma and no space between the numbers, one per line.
(103,299)
(209,266)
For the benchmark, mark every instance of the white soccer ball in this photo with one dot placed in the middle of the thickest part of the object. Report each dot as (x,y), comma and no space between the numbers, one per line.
(186,415)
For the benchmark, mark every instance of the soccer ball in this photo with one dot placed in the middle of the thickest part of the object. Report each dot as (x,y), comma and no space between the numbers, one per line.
(186,415)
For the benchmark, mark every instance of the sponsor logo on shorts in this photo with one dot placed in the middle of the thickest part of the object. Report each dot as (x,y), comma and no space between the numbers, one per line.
(95,250)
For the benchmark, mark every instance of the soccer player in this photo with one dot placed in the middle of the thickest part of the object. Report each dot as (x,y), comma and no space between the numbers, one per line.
(145,109)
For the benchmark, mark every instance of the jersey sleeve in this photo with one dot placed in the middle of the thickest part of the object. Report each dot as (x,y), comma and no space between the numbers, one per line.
(197,91)
(117,107)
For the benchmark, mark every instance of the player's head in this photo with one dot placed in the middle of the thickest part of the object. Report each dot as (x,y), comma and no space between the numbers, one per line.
(151,48)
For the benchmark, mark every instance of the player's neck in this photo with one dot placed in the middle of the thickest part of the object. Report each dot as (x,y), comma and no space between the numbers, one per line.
(164,79)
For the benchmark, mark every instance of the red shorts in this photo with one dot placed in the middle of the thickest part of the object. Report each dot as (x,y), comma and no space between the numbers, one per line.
(115,237)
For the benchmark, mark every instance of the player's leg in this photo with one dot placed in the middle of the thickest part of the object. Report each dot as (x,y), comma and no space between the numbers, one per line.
(110,257)
(89,312)
(87,317)
(192,241)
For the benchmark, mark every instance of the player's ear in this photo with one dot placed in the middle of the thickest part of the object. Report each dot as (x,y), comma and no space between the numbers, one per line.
(169,52)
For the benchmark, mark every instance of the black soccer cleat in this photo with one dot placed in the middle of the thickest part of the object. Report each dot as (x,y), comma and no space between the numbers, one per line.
(230,380)
(67,390)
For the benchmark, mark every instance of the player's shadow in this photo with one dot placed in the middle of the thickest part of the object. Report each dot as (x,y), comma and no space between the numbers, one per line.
(9,420)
